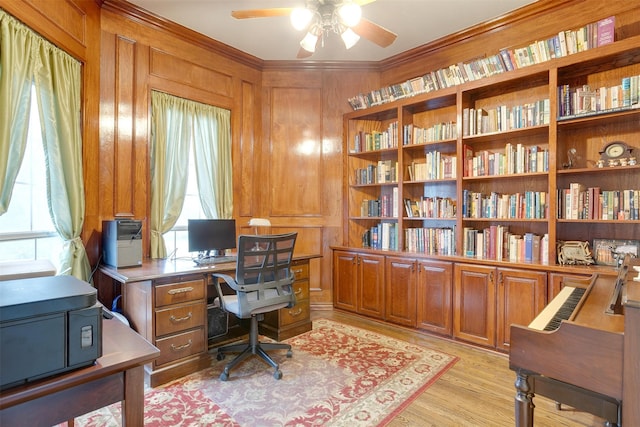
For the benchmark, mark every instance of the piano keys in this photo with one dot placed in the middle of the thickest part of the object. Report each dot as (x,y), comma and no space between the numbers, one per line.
(573,352)
(559,309)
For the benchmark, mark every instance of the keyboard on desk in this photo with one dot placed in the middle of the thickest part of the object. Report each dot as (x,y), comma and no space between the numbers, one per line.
(204,261)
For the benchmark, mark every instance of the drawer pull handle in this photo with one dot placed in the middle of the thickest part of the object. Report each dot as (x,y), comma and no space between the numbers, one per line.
(295,313)
(181,347)
(297,271)
(298,291)
(175,319)
(180,290)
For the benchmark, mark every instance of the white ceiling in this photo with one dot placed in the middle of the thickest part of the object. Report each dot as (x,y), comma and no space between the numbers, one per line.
(415,21)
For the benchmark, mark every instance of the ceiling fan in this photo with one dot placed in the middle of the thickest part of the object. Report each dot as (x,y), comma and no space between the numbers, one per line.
(323,17)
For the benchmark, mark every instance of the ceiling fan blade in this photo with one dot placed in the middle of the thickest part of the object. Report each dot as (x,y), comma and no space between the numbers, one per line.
(302,53)
(363,2)
(261,13)
(374,32)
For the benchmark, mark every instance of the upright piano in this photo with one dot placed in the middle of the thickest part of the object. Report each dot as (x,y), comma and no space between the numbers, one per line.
(583,350)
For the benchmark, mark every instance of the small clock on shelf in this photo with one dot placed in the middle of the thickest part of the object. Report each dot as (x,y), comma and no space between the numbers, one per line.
(616,153)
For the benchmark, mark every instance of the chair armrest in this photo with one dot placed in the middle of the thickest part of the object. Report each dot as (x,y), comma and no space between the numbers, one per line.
(228,280)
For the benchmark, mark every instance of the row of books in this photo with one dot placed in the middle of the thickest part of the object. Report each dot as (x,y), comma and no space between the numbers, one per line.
(478,121)
(437,165)
(579,202)
(376,140)
(586,100)
(412,134)
(383,236)
(385,171)
(527,205)
(514,159)
(385,207)
(430,207)
(497,243)
(430,241)
(559,45)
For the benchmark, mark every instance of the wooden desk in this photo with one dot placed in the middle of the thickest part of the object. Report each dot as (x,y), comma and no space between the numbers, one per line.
(116,376)
(166,302)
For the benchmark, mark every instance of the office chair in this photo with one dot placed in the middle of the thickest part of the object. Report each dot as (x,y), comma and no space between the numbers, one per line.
(263,283)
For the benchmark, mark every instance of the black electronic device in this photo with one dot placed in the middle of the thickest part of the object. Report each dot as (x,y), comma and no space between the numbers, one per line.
(211,237)
(122,243)
(48,325)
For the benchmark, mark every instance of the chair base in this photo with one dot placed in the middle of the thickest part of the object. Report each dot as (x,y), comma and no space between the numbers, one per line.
(252,347)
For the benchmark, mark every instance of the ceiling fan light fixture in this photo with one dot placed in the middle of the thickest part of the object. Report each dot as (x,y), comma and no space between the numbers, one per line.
(301,18)
(350,13)
(309,42)
(349,37)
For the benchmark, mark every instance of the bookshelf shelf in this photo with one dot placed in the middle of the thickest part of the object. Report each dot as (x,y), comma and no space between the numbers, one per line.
(517,110)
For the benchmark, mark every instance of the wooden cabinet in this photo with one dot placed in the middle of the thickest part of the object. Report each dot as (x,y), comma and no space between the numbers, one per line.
(400,290)
(490,165)
(487,300)
(474,304)
(359,283)
(558,280)
(433,296)
(170,312)
(522,294)
(288,322)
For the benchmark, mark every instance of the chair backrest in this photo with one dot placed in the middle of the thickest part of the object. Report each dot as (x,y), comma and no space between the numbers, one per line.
(264,268)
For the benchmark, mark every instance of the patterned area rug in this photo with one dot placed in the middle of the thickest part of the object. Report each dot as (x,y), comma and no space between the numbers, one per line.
(339,375)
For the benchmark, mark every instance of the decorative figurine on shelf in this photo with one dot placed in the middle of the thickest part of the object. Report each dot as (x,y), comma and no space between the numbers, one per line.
(574,253)
(572,157)
(615,153)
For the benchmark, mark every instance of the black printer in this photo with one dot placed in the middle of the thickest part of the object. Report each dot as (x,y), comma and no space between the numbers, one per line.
(48,325)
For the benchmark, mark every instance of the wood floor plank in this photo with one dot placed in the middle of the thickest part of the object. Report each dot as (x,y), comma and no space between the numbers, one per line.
(477,391)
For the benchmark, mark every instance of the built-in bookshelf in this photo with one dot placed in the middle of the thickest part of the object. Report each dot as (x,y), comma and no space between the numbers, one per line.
(507,166)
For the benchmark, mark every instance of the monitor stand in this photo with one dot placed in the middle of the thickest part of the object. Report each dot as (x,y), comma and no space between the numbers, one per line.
(214,253)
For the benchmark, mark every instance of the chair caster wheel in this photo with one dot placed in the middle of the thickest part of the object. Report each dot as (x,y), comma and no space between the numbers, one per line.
(289,354)
(220,356)
(277,374)
(224,376)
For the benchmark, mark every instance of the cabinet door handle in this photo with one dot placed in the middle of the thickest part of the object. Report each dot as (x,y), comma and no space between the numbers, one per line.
(491,277)
(180,319)
(500,278)
(180,290)
(181,347)
(298,312)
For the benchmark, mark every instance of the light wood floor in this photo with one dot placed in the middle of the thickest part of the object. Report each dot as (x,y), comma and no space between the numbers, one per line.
(477,391)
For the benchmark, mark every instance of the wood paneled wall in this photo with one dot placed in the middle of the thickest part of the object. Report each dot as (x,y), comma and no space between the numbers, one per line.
(286,116)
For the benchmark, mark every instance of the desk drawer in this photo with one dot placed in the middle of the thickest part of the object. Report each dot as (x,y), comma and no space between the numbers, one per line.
(297,313)
(180,318)
(300,270)
(179,346)
(174,293)
(301,289)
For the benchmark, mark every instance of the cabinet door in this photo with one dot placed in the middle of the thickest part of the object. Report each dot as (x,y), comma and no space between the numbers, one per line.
(371,285)
(474,310)
(556,282)
(345,275)
(521,296)
(434,296)
(401,291)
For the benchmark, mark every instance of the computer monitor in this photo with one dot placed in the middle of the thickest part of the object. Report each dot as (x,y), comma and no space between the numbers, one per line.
(211,237)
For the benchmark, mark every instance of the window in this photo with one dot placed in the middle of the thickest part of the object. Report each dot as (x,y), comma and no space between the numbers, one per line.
(26,230)
(192,137)
(176,239)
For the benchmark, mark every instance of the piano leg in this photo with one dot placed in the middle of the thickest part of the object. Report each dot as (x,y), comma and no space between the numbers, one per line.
(524,400)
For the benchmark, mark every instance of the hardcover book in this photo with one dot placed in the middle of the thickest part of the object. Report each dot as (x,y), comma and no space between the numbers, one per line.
(606,30)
